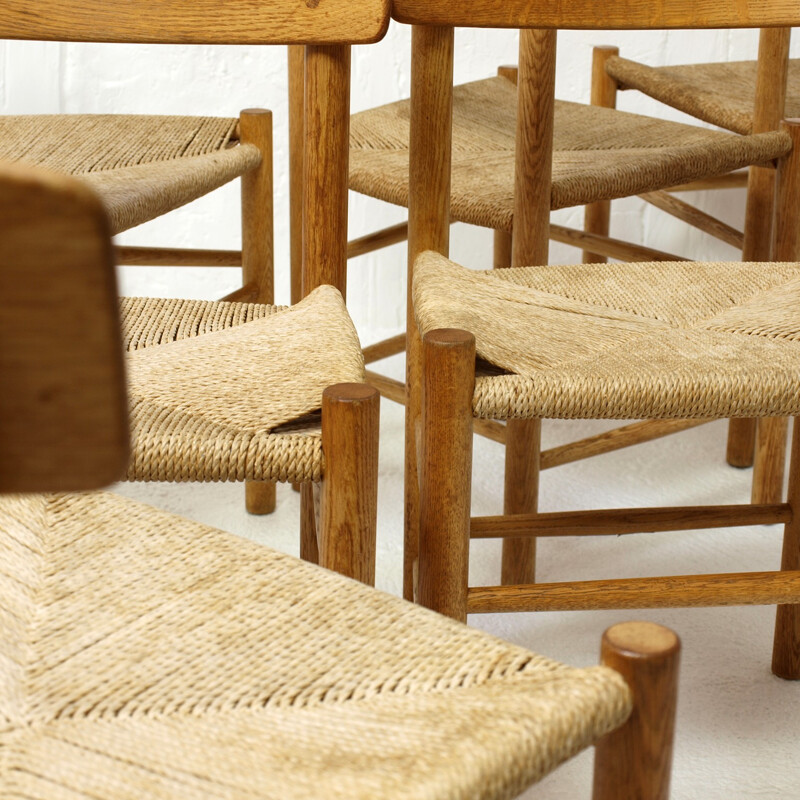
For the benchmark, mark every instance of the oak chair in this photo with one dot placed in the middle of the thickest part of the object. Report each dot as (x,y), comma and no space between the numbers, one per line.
(182,429)
(148,656)
(744,97)
(145,166)
(597,154)
(619,341)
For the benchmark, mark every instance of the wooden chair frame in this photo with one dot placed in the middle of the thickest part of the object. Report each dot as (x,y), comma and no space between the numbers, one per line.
(766,450)
(324,34)
(440,414)
(74,386)
(597,246)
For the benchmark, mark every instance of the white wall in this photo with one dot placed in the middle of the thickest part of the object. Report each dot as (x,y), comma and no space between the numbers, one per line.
(48,77)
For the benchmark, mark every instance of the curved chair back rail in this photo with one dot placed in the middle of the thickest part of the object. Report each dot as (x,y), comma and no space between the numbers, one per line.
(598,14)
(197,21)
(63,413)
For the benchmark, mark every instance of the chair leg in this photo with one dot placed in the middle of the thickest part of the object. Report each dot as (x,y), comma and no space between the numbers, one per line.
(521,496)
(260,497)
(634,762)
(255,127)
(448,384)
(309,544)
(597,216)
(349,487)
(296,54)
(770,460)
(771,438)
(522,468)
(786,647)
(741,442)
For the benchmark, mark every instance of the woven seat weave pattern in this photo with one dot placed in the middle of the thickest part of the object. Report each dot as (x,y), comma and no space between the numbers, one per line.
(141,166)
(722,93)
(624,341)
(599,153)
(147,656)
(222,391)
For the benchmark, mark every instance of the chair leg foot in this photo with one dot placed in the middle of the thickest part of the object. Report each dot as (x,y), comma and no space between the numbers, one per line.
(741,442)
(634,762)
(259,497)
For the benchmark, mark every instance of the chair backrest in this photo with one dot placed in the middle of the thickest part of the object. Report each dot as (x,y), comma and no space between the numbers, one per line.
(63,412)
(327,28)
(196,21)
(598,14)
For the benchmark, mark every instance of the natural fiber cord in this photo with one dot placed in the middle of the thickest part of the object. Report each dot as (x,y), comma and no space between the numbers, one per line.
(141,166)
(220,391)
(624,341)
(599,153)
(722,94)
(146,656)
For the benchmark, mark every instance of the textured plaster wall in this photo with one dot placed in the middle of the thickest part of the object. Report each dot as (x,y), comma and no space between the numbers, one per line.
(49,77)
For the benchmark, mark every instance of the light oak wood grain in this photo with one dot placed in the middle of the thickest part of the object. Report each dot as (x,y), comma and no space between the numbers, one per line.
(428,229)
(675,591)
(446,471)
(196,21)
(63,412)
(597,216)
(176,257)
(770,101)
(786,647)
(325,167)
(634,761)
(598,14)
(533,168)
(349,487)
(618,521)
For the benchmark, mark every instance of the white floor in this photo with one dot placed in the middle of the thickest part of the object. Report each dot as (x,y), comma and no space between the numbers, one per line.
(738,725)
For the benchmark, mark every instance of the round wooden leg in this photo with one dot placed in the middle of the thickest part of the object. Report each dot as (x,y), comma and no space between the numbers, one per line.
(349,489)
(634,762)
(741,442)
(446,470)
(259,497)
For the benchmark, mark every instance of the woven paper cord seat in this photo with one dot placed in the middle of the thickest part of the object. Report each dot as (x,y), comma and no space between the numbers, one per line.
(722,94)
(148,656)
(599,153)
(141,166)
(212,382)
(624,341)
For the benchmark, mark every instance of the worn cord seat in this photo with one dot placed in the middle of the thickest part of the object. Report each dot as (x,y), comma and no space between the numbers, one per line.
(141,166)
(223,391)
(144,655)
(722,93)
(624,341)
(599,153)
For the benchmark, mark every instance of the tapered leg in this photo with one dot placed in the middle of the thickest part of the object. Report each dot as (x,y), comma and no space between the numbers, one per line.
(349,488)
(521,497)
(296,65)
(446,470)
(770,459)
(634,762)
(532,181)
(521,468)
(597,216)
(255,127)
(309,544)
(428,229)
(770,100)
(771,438)
(786,648)
(326,129)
